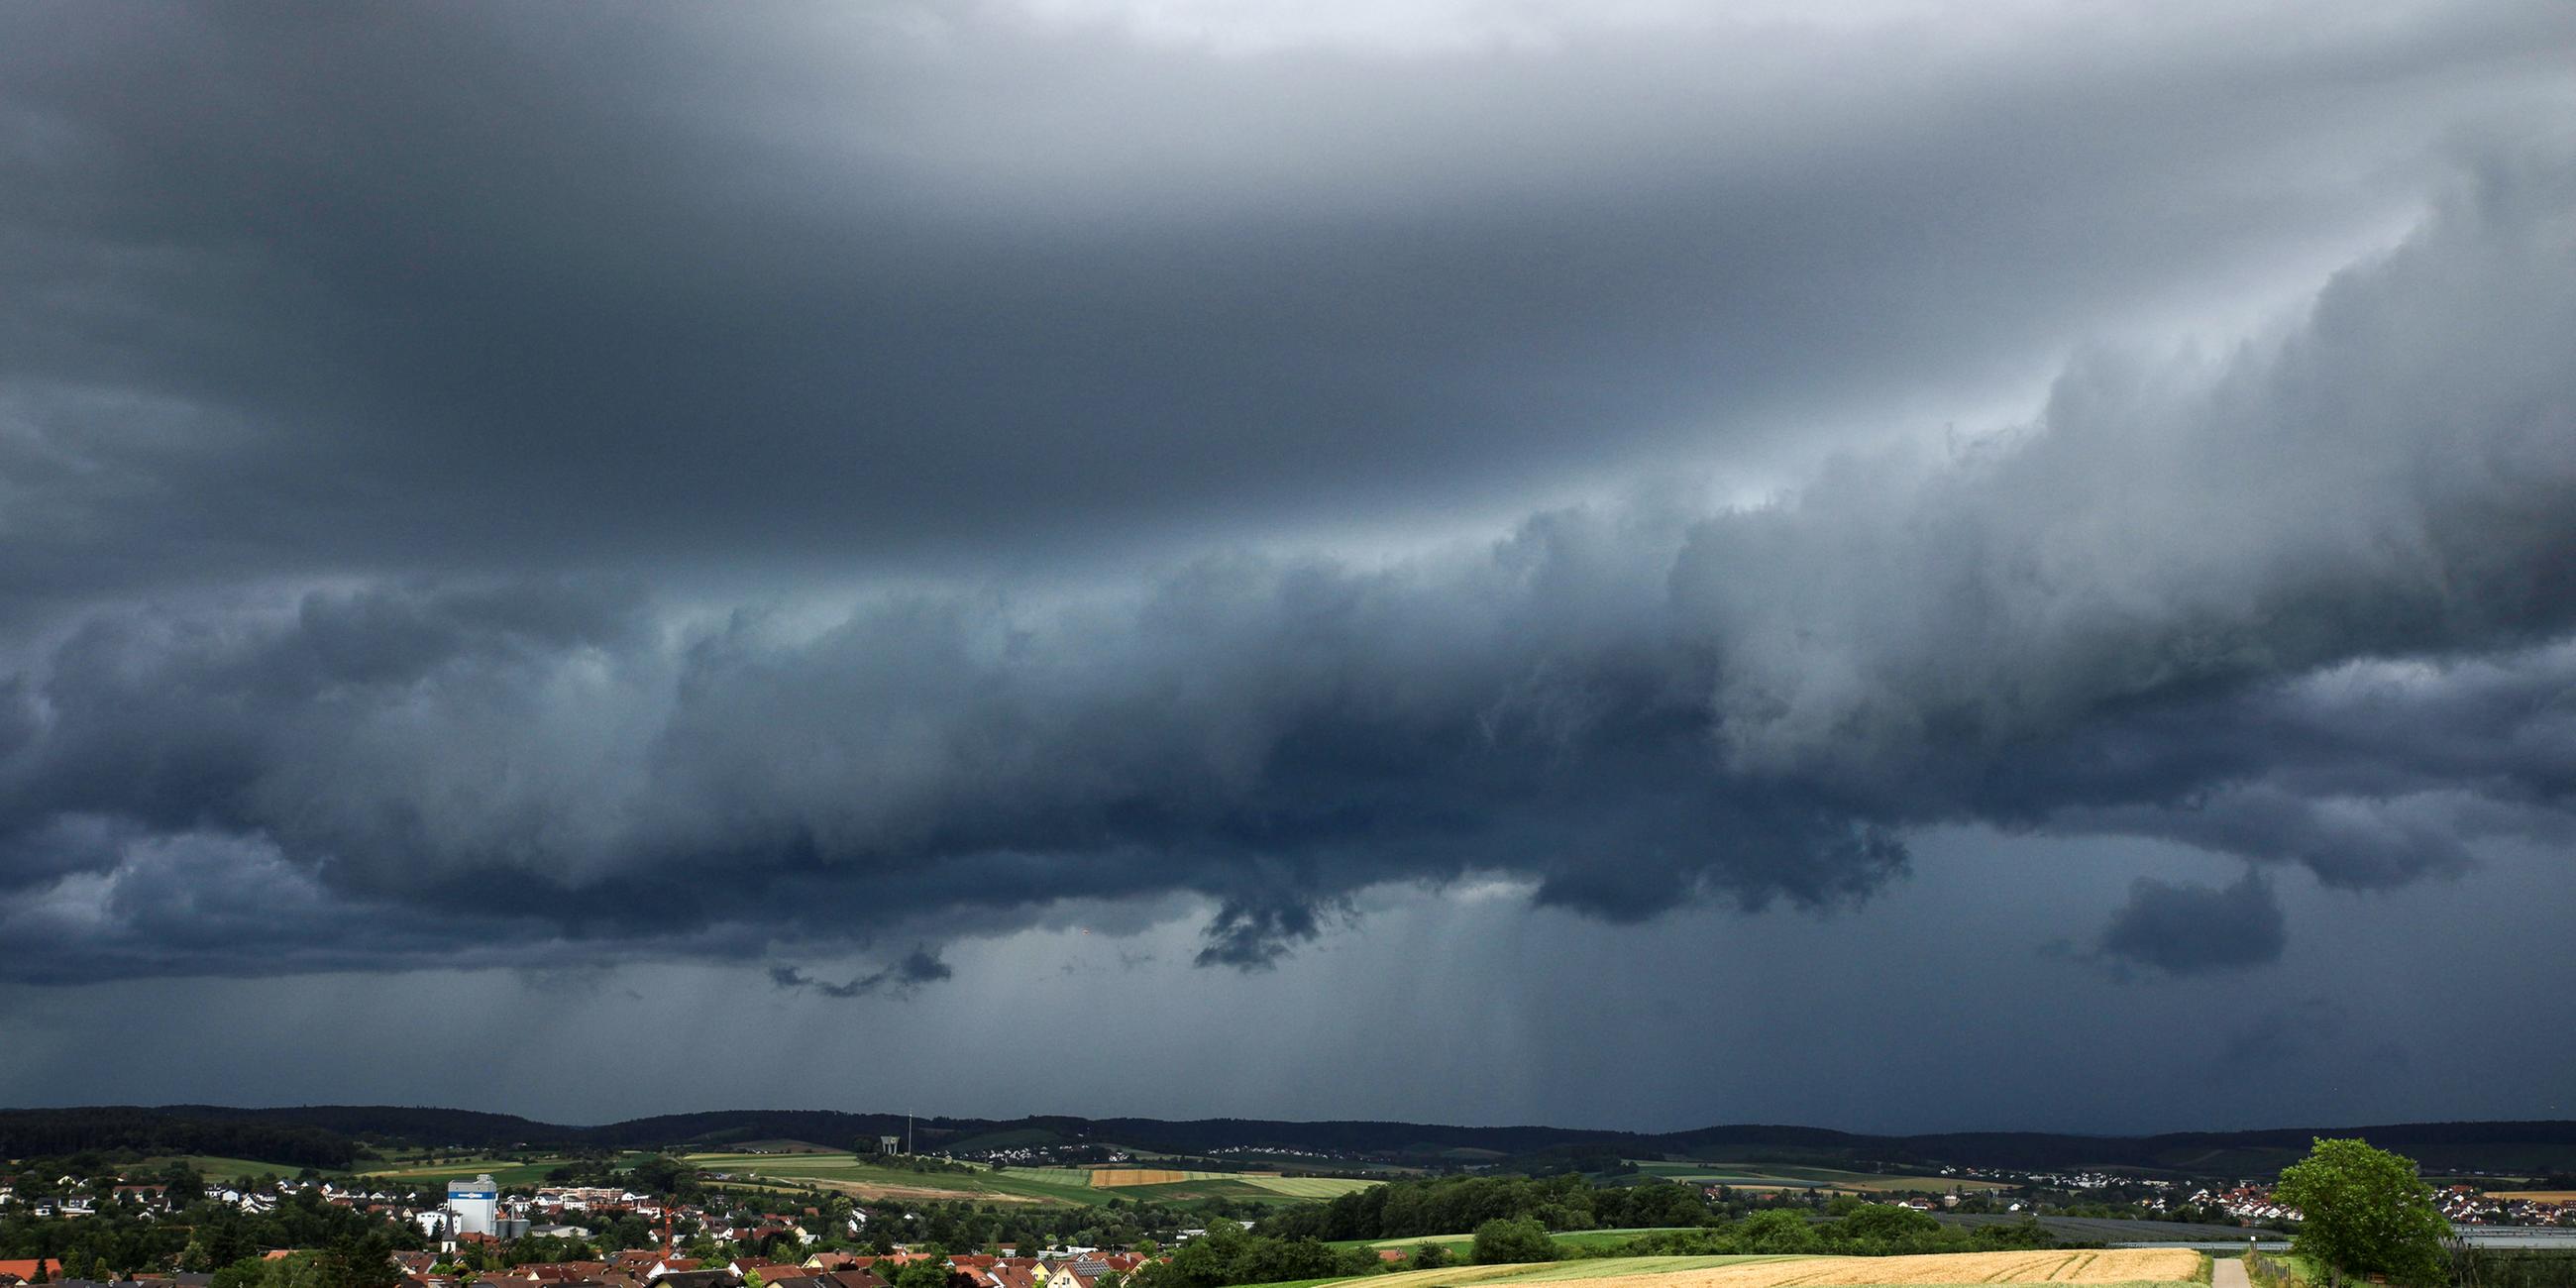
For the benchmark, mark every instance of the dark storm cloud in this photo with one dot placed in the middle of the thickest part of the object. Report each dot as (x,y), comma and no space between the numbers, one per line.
(382,394)
(460,288)
(2306,603)
(2191,930)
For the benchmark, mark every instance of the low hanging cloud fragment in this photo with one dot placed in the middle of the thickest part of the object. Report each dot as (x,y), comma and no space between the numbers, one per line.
(918,967)
(1253,935)
(2181,604)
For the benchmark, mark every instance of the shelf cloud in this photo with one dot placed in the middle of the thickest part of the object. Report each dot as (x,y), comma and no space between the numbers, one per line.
(2190,600)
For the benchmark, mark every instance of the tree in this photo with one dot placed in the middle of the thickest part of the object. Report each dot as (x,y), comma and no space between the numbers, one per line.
(1502,1241)
(928,1272)
(1430,1256)
(2364,1211)
(1886,1228)
(1777,1230)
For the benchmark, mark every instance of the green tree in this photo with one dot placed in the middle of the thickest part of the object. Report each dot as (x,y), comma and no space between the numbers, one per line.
(1511,1240)
(1885,1228)
(248,1272)
(1430,1256)
(2363,1211)
(1777,1230)
(928,1272)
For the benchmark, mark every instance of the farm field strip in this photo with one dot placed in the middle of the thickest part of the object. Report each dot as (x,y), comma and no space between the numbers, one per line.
(504,1171)
(1788,1176)
(1113,1177)
(1579,1238)
(1311,1187)
(1626,1267)
(218,1168)
(2128,1267)
(2115,1266)
(847,1175)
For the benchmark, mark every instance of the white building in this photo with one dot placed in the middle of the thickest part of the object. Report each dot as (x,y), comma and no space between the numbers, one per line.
(470,1205)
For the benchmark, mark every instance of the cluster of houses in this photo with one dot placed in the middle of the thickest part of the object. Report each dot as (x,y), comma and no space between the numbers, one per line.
(2246,1201)
(655,1269)
(39,1270)
(1073,1268)
(72,1199)
(2059,1180)
(663,1268)
(2463,1205)
(2469,1205)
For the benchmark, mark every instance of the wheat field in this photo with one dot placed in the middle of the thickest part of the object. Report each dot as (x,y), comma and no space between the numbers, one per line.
(2116,1265)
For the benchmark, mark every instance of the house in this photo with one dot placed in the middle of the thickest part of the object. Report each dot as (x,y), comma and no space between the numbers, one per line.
(719,1277)
(860,1278)
(28,1271)
(839,1261)
(1080,1272)
(561,1271)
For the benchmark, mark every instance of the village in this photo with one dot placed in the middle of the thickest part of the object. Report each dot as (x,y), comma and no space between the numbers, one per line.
(479,1234)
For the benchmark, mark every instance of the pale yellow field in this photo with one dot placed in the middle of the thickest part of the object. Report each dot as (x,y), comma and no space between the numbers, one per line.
(2536,1196)
(2112,1266)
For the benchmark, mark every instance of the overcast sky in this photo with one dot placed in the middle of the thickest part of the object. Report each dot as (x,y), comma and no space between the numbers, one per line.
(1906,565)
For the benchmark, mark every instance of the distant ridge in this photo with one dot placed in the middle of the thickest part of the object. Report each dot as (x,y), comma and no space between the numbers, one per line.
(330,1136)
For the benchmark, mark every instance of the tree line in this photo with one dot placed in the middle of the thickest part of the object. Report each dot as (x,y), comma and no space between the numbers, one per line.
(31,1133)
(1448,1205)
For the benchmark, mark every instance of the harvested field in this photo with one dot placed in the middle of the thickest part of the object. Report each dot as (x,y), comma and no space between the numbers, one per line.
(2127,1268)
(2536,1196)
(2117,1265)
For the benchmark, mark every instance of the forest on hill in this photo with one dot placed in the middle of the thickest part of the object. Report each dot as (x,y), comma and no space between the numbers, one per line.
(333,1136)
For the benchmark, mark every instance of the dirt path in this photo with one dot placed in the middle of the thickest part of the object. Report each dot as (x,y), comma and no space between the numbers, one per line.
(2228,1272)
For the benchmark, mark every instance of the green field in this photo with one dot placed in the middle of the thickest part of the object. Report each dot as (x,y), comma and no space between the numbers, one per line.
(1310,1187)
(504,1171)
(1074,1176)
(847,1173)
(215,1168)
